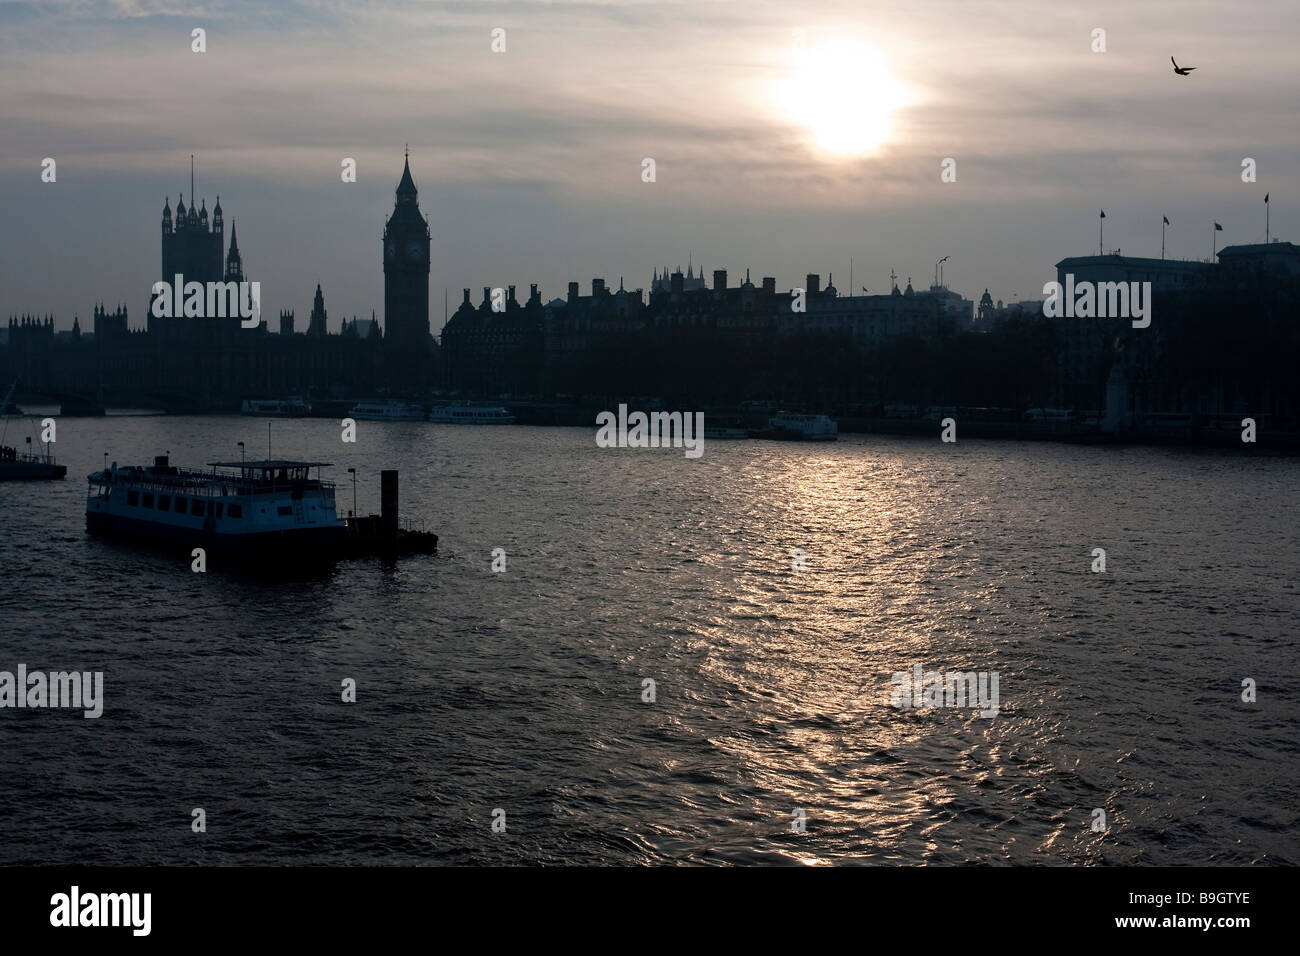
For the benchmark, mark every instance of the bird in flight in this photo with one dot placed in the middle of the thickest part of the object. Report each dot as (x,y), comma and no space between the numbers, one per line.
(1181,70)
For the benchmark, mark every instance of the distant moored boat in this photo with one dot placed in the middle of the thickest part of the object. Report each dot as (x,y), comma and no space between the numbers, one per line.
(291,407)
(17,466)
(392,410)
(792,426)
(468,414)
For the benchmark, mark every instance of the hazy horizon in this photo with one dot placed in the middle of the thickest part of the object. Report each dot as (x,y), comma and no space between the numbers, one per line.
(529,161)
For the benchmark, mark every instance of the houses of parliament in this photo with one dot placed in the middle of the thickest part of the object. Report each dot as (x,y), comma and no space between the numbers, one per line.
(212,363)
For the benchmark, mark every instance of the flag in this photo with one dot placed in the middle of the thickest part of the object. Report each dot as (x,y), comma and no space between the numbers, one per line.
(1218,228)
(1166,219)
(1103,214)
(1265,199)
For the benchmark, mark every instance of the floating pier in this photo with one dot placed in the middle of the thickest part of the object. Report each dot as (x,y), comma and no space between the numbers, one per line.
(384,535)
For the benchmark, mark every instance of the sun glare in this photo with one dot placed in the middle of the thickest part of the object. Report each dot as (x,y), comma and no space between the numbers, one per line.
(843,93)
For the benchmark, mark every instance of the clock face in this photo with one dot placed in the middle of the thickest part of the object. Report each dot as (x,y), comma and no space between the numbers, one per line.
(412,250)
(391,249)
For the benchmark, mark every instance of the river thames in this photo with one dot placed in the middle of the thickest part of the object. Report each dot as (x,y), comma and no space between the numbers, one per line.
(768,590)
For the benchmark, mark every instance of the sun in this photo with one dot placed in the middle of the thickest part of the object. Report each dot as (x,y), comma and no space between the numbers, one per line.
(843,93)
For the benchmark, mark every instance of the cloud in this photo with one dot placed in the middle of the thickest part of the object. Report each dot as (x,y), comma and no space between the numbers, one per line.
(556,127)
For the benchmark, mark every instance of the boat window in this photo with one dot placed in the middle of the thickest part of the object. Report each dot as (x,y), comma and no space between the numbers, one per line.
(236,511)
(219,509)
(164,502)
(196,508)
(180,505)
(148,500)
(285,509)
(133,497)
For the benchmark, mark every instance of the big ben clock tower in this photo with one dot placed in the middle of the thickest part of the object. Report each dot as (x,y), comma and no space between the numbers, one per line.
(406,271)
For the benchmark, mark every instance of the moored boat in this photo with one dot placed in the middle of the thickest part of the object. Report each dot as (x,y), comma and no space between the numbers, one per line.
(254,510)
(392,410)
(16,466)
(794,426)
(291,407)
(469,414)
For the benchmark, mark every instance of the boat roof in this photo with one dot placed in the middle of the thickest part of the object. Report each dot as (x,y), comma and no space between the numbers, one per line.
(271,463)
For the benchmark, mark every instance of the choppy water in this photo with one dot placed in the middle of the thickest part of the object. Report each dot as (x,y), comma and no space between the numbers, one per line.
(523,690)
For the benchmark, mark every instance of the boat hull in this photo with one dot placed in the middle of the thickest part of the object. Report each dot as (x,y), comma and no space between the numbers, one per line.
(321,545)
(448,421)
(29,471)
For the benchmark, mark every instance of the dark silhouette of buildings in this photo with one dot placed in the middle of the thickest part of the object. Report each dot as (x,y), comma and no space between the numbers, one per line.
(487,352)
(206,362)
(1224,339)
(191,245)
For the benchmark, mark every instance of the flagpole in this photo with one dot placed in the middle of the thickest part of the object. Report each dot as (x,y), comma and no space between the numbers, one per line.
(1101,232)
(1162,237)
(1266,218)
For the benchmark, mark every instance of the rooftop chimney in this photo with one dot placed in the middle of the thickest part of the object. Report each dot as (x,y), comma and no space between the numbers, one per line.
(769,285)
(719,280)
(573,292)
(678,281)
(814,283)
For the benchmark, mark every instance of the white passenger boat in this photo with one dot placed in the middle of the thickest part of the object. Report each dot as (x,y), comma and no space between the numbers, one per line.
(291,407)
(392,410)
(468,414)
(256,510)
(794,426)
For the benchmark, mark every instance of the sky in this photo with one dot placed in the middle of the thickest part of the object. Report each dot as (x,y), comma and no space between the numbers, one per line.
(786,139)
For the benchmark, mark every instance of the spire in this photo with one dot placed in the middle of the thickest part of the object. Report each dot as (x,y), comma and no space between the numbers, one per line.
(406,191)
(316,325)
(234,262)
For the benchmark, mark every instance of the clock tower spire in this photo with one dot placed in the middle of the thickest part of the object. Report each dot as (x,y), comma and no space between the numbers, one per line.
(406,271)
